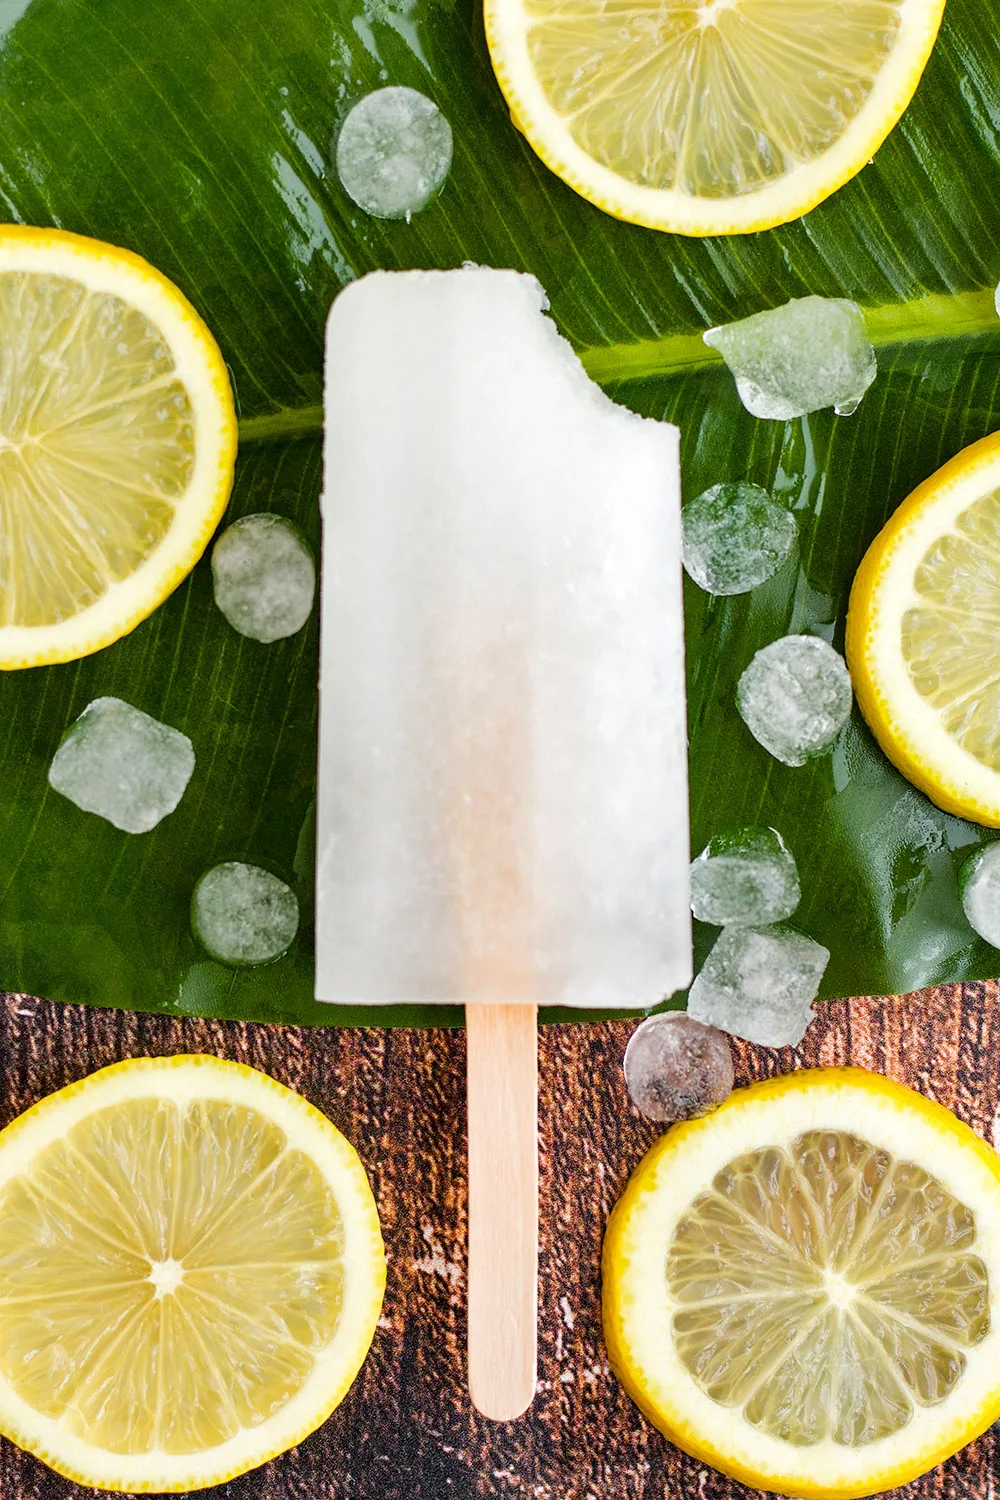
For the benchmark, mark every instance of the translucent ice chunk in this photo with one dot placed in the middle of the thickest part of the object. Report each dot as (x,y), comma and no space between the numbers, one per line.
(979,885)
(811,353)
(264,577)
(759,983)
(676,1067)
(795,697)
(394,152)
(503,807)
(242,914)
(745,877)
(734,537)
(123,765)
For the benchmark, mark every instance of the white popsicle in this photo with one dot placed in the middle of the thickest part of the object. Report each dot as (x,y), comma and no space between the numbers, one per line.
(503,793)
(502,813)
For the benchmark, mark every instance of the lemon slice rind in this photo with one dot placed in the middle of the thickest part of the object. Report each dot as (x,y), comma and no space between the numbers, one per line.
(638,1307)
(197,1077)
(199,366)
(778,202)
(907,727)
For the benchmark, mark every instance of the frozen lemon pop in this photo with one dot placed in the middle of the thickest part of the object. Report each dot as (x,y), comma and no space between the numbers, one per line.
(502,812)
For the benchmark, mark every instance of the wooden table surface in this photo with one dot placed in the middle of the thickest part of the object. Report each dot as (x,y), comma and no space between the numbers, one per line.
(407,1431)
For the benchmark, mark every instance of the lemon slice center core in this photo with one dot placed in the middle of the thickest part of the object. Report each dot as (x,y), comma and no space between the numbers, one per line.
(711,10)
(839,1291)
(166,1276)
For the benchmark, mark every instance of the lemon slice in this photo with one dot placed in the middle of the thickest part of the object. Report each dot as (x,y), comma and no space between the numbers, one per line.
(708,116)
(117,443)
(922,635)
(801,1288)
(190,1278)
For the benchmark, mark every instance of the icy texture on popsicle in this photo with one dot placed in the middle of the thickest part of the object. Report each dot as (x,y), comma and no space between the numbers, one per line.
(503,781)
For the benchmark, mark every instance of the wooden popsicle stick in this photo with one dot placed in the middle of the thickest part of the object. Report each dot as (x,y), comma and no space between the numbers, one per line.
(502,1083)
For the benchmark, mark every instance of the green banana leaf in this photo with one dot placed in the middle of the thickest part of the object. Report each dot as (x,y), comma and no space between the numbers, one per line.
(200,136)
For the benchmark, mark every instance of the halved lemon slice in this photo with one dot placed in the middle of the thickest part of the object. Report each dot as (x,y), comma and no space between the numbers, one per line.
(190,1277)
(922,635)
(117,443)
(708,116)
(801,1289)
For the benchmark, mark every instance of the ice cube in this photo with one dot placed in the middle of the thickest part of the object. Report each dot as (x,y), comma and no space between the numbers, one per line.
(394,152)
(745,877)
(795,697)
(735,537)
(243,915)
(264,577)
(759,983)
(811,353)
(123,765)
(676,1067)
(979,885)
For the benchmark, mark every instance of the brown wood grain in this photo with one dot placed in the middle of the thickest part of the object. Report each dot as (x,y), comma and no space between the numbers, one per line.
(407,1430)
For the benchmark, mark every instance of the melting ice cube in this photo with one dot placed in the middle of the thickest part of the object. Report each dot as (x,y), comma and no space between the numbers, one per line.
(394,152)
(676,1067)
(735,537)
(795,697)
(759,983)
(979,884)
(242,914)
(745,877)
(811,353)
(123,765)
(264,577)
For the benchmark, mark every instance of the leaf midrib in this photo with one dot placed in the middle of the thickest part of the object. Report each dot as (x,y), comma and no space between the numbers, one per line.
(937,317)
